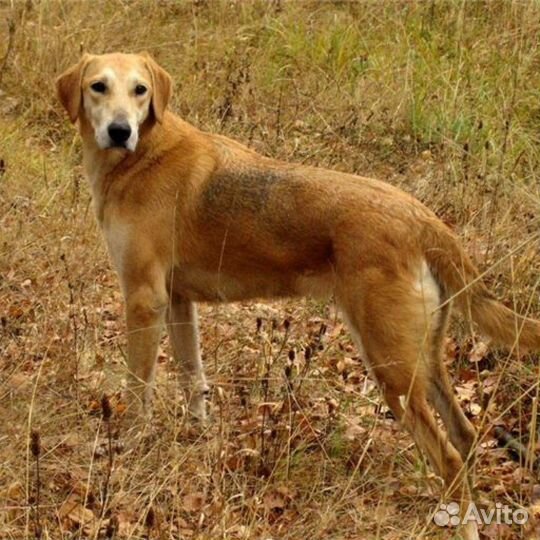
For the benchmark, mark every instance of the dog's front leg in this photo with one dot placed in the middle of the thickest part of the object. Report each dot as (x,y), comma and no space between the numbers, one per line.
(146,304)
(184,335)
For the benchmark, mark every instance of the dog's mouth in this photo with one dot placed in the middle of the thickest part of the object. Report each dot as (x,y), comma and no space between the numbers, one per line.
(126,146)
(119,146)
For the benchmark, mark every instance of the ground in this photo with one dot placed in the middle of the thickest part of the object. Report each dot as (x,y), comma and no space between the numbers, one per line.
(439,98)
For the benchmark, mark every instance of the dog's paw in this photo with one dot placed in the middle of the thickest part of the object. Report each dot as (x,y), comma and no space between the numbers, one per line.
(197,406)
(197,410)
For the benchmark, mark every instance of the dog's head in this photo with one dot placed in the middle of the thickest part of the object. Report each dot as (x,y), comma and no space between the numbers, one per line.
(116,93)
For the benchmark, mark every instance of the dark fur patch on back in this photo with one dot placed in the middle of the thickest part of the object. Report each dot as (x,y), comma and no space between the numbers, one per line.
(242,190)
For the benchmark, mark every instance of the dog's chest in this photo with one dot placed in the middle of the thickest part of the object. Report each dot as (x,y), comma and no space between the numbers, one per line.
(117,237)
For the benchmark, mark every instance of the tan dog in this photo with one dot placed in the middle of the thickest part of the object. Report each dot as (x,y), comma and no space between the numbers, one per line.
(190,216)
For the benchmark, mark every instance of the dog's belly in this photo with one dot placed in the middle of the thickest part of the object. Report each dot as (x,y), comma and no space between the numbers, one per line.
(203,286)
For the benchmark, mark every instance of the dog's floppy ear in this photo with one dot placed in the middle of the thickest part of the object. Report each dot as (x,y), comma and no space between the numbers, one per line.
(68,86)
(161,87)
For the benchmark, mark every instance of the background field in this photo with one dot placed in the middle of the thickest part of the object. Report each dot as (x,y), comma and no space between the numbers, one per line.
(440,98)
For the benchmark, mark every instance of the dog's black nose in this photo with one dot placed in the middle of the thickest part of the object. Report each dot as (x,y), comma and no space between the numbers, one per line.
(119,133)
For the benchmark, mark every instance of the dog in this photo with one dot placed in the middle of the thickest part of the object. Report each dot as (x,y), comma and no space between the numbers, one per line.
(190,216)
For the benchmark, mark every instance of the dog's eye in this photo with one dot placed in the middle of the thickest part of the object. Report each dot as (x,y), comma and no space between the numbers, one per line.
(98,87)
(140,89)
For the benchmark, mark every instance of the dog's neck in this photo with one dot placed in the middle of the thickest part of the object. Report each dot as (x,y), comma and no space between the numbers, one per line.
(102,166)
(97,163)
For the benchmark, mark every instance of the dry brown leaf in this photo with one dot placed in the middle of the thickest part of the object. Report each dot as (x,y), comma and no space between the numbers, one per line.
(193,502)
(267,407)
(498,532)
(274,501)
(278,499)
(18,382)
(120,408)
(450,348)
(73,511)
(478,352)
(14,492)
(475,409)
(353,431)
(466,392)
(345,364)
(124,525)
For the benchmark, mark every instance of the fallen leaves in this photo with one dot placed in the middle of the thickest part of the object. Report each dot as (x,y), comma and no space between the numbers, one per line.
(278,503)
(193,502)
(294,413)
(478,352)
(72,513)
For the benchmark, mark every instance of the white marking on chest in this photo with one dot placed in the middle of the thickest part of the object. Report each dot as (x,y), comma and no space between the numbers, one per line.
(117,235)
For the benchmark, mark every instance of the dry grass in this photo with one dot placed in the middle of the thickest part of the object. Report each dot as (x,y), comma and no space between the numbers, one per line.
(441,98)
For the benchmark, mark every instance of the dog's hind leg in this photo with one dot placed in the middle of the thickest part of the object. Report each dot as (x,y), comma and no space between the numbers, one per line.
(388,316)
(460,430)
(184,336)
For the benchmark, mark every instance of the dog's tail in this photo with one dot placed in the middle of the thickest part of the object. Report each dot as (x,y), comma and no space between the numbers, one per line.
(456,273)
